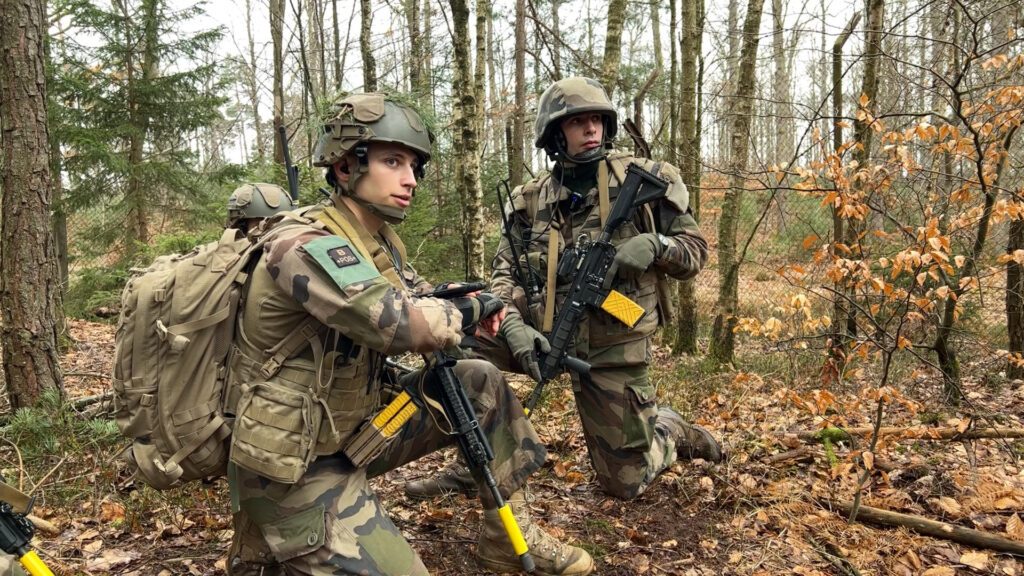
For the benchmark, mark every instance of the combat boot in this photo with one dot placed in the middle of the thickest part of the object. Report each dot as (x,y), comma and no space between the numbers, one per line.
(453,479)
(494,551)
(692,441)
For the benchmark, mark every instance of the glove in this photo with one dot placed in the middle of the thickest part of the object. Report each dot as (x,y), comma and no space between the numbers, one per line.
(634,256)
(476,308)
(523,342)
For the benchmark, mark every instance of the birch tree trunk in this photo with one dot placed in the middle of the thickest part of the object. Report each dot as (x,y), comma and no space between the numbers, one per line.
(690,45)
(466,124)
(366,48)
(29,279)
(723,337)
(480,68)
(613,45)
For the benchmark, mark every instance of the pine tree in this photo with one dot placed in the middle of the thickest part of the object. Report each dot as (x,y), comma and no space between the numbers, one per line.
(134,89)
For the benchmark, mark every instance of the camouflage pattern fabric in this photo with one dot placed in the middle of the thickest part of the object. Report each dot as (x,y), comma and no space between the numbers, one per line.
(569,96)
(331,522)
(290,283)
(9,566)
(617,402)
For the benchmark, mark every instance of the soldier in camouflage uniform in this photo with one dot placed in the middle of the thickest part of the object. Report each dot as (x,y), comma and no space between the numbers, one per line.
(630,439)
(337,277)
(250,204)
(9,566)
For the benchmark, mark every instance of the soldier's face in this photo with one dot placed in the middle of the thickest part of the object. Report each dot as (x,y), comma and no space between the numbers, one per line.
(583,132)
(390,178)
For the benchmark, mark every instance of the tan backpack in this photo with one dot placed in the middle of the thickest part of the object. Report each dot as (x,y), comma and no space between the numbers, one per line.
(170,367)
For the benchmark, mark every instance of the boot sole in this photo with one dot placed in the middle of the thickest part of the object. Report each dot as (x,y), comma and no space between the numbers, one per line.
(502,567)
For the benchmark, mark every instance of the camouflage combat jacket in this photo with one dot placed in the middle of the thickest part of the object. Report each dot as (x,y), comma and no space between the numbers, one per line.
(310,280)
(536,204)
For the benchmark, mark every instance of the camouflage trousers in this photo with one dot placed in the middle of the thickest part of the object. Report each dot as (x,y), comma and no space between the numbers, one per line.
(618,408)
(9,566)
(331,522)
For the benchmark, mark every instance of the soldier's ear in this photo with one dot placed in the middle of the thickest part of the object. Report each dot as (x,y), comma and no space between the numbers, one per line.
(341,171)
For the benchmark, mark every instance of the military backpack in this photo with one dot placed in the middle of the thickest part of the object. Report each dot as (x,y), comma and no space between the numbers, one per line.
(173,338)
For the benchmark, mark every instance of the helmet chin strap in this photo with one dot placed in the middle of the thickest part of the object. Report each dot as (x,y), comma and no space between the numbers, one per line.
(391,214)
(585,157)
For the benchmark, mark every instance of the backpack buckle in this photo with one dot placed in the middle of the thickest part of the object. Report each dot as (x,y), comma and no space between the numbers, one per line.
(270,367)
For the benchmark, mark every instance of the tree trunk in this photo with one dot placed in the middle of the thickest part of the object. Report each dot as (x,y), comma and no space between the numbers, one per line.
(556,52)
(136,191)
(308,91)
(314,52)
(480,68)
(412,21)
(30,295)
(673,78)
(428,49)
(613,45)
(723,338)
(60,215)
(338,67)
(1015,299)
(686,318)
(732,66)
(515,150)
(466,124)
(366,48)
(252,85)
(783,121)
(841,318)
(498,119)
(277,36)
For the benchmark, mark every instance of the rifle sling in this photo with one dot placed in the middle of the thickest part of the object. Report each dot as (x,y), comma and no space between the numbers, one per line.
(549,305)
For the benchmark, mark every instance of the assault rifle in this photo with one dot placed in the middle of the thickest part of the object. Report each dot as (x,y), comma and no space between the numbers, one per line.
(16,530)
(587,264)
(473,444)
(526,278)
(291,170)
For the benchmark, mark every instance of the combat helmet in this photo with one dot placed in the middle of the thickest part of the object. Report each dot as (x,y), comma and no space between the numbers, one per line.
(256,200)
(565,98)
(359,119)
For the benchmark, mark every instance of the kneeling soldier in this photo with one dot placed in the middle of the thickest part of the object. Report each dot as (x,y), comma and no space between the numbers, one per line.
(338,289)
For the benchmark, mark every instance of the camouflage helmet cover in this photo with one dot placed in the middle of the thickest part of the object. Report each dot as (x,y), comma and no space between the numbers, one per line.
(371,117)
(257,200)
(570,96)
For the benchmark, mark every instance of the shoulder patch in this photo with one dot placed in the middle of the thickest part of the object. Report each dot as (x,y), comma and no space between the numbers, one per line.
(340,260)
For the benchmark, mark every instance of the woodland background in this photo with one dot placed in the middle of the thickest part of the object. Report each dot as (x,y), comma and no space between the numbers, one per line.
(856,167)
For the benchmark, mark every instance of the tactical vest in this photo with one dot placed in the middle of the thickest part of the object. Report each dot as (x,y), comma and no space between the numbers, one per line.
(306,396)
(538,201)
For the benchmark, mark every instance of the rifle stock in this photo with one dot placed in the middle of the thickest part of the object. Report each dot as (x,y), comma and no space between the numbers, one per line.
(589,287)
(16,533)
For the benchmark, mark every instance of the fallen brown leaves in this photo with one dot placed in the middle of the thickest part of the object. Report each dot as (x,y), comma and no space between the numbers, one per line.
(749,516)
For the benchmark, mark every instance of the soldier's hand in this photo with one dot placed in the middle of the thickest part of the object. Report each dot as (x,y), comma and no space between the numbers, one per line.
(525,342)
(474,309)
(634,256)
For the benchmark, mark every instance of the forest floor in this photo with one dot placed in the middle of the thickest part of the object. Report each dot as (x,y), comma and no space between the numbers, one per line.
(769,509)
